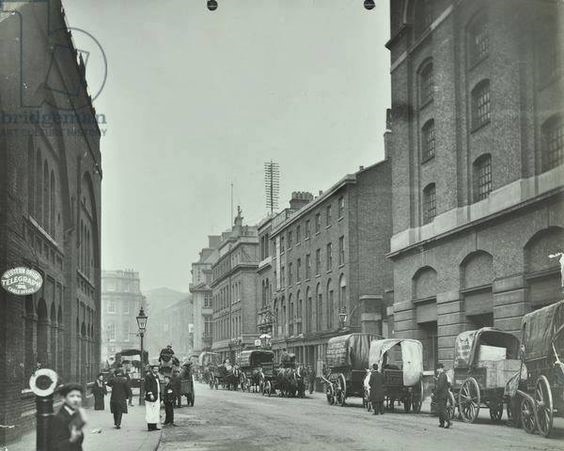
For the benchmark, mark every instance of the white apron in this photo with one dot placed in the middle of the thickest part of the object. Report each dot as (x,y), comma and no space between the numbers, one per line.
(153,408)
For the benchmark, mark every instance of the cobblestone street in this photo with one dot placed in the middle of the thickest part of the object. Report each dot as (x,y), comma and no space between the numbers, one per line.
(223,420)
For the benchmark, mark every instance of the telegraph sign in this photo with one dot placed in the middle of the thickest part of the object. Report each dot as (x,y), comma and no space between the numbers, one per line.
(21,281)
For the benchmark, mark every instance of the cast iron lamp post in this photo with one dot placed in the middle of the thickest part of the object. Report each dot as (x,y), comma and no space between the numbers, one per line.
(142,325)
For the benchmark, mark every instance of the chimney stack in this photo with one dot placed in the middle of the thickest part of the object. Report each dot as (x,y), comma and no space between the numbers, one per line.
(300,199)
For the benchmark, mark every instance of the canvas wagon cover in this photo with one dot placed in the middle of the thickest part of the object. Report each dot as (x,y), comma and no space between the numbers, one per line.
(466,344)
(251,358)
(411,356)
(539,328)
(463,348)
(349,351)
(208,357)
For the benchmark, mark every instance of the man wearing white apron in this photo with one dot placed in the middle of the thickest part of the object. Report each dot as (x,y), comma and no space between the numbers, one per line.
(153,399)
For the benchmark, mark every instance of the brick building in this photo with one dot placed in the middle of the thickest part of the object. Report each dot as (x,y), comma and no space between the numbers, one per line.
(326,256)
(477,149)
(50,178)
(202,296)
(234,289)
(121,301)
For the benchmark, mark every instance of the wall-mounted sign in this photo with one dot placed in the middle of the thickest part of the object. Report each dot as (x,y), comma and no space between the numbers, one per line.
(21,281)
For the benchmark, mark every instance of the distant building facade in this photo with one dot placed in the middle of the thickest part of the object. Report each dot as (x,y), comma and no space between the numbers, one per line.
(50,203)
(477,149)
(234,290)
(121,301)
(326,256)
(201,291)
(177,326)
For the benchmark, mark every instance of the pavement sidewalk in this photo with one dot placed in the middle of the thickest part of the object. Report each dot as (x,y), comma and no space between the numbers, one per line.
(99,432)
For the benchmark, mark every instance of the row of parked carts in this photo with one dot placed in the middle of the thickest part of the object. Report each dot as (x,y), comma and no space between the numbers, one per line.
(255,370)
(491,369)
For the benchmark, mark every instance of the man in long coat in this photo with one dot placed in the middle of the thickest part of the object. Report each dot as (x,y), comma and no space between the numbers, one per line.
(153,399)
(120,394)
(441,396)
(377,392)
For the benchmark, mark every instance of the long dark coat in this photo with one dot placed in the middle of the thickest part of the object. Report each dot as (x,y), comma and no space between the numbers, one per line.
(441,387)
(60,431)
(151,387)
(377,389)
(99,391)
(120,394)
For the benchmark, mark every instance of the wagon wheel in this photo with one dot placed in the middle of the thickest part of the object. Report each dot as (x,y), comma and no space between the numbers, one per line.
(330,393)
(469,400)
(496,412)
(528,419)
(451,406)
(341,391)
(417,397)
(544,406)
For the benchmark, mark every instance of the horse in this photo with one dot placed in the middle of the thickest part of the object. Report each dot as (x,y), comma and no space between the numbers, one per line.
(186,385)
(287,382)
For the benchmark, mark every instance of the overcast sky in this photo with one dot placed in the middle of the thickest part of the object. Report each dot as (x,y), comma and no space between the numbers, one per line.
(196,100)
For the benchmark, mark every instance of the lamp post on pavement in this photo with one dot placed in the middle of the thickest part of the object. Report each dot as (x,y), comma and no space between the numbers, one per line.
(142,325)
(343,316)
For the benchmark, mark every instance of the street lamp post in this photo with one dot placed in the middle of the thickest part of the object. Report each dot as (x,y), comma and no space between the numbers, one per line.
(343,315)
(142,325)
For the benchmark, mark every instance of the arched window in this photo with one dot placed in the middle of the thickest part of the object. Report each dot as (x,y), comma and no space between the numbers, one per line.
(552,143)
(38,187)
(46,197)
(428,140)
(30,177)
(426,83)
(330,305)
(300,314)
(319,308)
(481,107)
(422,16)
(482,175)
(52,221)
(284,317)
(309,312)
(291,317)
(429,203)
(342,291)
(478,40)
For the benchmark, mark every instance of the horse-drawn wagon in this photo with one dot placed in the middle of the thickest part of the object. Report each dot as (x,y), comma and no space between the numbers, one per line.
(207,361)
(401,362)
(484,362)
(538,391)
(251,363)
(347,362)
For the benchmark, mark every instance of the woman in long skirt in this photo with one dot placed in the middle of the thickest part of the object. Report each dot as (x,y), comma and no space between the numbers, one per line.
(99,390)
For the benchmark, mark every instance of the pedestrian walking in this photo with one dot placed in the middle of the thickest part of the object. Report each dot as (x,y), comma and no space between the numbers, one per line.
(176,384)
(153,399)
(65,431)
(441,396)
(312,376)
(99,391)
(128,377)
(377,393)
(120,394)
(169,399)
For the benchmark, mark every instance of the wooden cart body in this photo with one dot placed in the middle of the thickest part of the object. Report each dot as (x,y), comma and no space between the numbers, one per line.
(401,362)
(484,361)
(539,394)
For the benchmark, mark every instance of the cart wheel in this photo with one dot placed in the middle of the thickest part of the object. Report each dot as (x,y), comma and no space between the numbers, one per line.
(417,397)
(451,406)
(469,400)
(528,419)
(341,391)
(544,406)
(496,412)
(330,393)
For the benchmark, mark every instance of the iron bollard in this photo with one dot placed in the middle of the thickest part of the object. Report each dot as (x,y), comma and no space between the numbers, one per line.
(43,383)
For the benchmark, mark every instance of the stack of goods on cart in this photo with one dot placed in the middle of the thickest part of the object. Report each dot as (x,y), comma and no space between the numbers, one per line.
(499,367)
